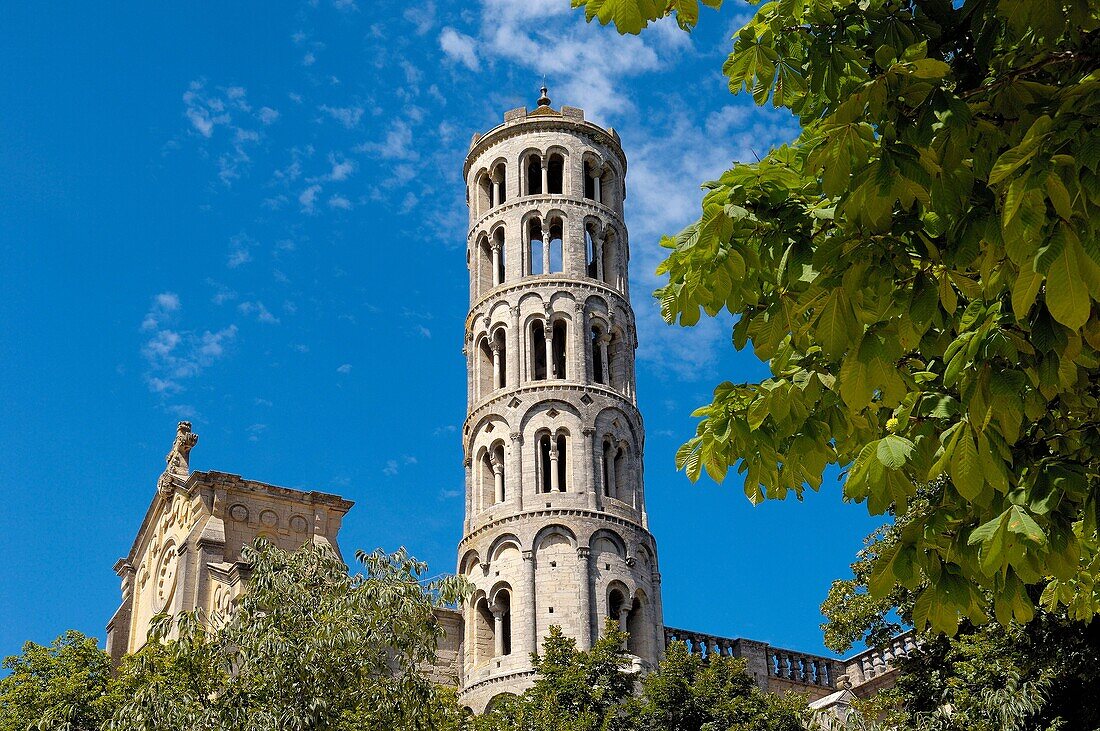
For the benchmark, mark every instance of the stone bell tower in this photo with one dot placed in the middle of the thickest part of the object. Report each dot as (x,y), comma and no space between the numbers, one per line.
(556,528)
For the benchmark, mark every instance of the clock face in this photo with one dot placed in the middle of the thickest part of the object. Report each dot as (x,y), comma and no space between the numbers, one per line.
(165,579)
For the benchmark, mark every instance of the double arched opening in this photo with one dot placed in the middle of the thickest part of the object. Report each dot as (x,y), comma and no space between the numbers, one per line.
(543,173)
(601,259)
(491,477)
(492,626)
(545,246)
(552,454)
(634,616)
(616,471)
(492,363)
(547,348)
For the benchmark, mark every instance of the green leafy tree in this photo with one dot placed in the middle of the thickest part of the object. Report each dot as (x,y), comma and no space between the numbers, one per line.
(307,647)
(1033,676)
(687,693)
(63,687)
(920,268)
(574,690)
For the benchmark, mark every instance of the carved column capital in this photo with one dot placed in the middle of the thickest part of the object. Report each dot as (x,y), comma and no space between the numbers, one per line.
(583,552)
(516,437)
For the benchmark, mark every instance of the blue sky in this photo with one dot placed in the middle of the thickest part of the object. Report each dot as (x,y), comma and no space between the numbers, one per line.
(252,216)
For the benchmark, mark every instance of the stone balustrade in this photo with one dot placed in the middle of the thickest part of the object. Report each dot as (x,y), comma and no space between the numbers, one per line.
(764,661)
(878,661)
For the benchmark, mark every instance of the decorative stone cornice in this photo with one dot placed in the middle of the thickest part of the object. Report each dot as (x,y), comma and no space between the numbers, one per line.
(557,513)
(548,123)
(553,200)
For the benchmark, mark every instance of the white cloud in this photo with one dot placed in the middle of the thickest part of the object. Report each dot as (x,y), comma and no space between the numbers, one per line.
(422,16)
(268,115)
(308,198)
(391,468)
(459,47)
(344,369)
(173,355)
(347,116)
(163,305)
(341,169)
(240,250)
(259,310)
(339,202)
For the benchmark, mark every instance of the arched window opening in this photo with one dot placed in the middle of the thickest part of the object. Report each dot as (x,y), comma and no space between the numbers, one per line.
(558,346)
(483,639)
(486,480)
(590,267)
(610,261)
(599,373)
(538,351)
(500,188)
(616,602)
(496,463)
(618,466)
(551,463)
(484,193)
(534,175)
(555,173)
(589,182)
(503,617)
(543,466)
(500,360)
(563,462)
(485,276)
(607,187)
(612,472)
(498,255)
(557,253)
(484,368)
(640,641)
(536,256)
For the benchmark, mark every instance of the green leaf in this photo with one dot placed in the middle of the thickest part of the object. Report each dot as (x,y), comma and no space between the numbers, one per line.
(1024,291)
(894,451)
(964,468)
(1067,295)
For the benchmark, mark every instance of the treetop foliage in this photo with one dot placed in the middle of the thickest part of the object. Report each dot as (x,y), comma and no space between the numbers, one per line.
(921,269)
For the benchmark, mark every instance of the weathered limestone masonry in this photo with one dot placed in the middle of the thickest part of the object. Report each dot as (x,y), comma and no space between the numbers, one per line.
(556,529)
(187,553)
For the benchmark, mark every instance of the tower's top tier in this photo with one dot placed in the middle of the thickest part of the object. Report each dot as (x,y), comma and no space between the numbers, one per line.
(542,118)
(544,152)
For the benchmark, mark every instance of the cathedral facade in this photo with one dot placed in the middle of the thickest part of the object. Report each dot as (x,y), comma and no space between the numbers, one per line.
(555,530)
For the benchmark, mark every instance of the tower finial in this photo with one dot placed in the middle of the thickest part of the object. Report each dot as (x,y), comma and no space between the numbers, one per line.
(544,101)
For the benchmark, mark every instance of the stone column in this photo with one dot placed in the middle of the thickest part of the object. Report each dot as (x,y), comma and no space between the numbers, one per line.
(496,194)
(498,382)
(498,632)
(596,186)
(580,370)
(498,478)
(585,639)
(517,467)
(555,482)
(595,499)
(551,361)
(515,362)
(531,627)
(546,249)
(469,493)
(497,279)
(597,252)
(604,361)
(609,470)
(545,176)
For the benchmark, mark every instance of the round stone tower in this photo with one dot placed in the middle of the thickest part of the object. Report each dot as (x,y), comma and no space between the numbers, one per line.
(556,529)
